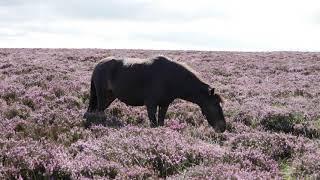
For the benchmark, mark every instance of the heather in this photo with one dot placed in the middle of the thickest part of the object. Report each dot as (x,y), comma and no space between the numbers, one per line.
(271,107)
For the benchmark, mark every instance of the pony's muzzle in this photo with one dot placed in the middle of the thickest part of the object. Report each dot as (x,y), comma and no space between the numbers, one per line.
(220,127)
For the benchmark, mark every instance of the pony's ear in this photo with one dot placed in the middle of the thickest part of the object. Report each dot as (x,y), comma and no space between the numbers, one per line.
(211,91)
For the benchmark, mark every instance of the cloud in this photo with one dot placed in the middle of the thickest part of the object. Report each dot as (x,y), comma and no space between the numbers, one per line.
(22,11)
(8,3)
(162,24)
(133,10)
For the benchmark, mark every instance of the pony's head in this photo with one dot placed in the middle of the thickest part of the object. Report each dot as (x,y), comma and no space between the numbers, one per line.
(212,110)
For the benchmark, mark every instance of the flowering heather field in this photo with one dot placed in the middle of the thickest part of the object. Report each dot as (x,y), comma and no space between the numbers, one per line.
(272,111)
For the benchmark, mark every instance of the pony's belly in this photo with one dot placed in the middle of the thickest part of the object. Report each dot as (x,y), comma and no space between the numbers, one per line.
(132,101)
(130,89)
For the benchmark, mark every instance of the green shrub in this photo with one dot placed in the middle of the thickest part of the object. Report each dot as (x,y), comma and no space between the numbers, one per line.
(282,123)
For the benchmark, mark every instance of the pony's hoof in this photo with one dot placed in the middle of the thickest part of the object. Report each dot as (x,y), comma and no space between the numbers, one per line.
(100,115)
(153,125)
(86,115)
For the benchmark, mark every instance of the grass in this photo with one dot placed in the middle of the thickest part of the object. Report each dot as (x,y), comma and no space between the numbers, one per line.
(282,123)
(286,170)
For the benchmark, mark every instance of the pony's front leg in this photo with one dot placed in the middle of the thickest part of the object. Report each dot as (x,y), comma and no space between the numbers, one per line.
(162,113)
(152,110)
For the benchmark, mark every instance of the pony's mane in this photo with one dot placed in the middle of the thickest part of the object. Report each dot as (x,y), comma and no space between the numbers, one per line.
(131,61)
(186,67)
(194,73)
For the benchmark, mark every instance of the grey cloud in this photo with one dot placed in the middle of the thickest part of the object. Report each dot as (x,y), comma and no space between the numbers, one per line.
(22,11)
(34,16)
(97,9)
(18,10)
(8,3)
(125,10)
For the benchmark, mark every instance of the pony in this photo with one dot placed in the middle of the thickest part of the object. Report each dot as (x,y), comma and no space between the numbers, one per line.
(154,83)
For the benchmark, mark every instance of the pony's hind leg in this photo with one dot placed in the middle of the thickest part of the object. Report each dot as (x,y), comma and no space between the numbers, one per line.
(105,98)
(92,101)
(110,99)
(103,101)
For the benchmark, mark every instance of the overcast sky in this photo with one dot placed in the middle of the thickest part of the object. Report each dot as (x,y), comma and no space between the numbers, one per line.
(241,25)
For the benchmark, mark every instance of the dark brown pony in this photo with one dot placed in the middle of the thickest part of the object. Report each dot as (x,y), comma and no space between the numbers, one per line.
(154,83)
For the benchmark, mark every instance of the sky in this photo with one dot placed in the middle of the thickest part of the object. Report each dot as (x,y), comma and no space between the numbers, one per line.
(218,25)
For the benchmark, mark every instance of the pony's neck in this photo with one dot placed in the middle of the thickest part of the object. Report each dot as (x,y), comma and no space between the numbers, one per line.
(198,95)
